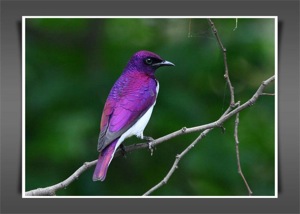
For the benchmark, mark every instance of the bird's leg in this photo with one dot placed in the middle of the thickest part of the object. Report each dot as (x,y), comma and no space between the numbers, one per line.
(123,150)
(150,141)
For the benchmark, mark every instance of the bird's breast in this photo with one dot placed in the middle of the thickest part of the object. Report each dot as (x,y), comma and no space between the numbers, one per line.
(138,128)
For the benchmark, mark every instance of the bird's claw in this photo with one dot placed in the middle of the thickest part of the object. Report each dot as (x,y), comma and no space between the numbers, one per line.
(150,146)
(148,138)
(150,142)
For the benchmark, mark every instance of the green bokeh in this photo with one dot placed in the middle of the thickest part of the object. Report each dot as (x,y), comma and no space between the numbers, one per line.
(71,65)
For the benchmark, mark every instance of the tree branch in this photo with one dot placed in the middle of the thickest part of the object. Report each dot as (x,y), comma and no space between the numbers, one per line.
(51,190)
(232,105)
(208,128)
(226,75)
(236,137)
(175,164)
(218,123)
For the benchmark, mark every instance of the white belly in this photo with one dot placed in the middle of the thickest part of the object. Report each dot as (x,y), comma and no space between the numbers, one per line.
(138,128)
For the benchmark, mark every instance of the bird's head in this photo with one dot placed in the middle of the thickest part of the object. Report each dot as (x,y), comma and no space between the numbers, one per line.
(146,61)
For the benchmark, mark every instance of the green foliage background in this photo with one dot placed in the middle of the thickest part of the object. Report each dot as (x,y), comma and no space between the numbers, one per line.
(71,65)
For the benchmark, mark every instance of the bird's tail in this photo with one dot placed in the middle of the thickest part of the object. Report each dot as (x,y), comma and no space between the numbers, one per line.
(104,160)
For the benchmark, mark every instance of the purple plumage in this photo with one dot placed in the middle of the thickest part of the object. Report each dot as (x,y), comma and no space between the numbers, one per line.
(104,160)
(128,107)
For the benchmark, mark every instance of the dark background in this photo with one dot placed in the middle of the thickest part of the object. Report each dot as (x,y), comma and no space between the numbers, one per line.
(71,64)
(288,109)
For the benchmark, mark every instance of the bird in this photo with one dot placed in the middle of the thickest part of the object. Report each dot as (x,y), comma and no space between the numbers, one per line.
(128,107)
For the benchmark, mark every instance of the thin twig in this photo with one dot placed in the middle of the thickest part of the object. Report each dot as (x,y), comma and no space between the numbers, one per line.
(226,75)
(217,123)
(52,189)
(231,106)
(236,24)
(268,94)
(236,137)
(175,164)
(232,99)
(208,128)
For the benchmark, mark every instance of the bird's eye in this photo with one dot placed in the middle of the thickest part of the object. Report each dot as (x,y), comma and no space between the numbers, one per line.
(148,61)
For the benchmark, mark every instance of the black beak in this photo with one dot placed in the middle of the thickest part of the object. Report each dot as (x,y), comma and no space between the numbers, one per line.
(163,63)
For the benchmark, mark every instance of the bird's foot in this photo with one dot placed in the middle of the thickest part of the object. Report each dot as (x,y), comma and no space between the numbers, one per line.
(151,148)
(148,138)
(150,142)
(123,150)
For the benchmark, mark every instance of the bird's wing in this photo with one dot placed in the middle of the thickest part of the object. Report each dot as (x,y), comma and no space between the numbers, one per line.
(119,116)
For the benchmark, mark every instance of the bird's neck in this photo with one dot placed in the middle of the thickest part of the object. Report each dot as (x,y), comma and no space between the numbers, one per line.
(139,74)
(132,69)
(131,82)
